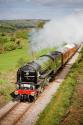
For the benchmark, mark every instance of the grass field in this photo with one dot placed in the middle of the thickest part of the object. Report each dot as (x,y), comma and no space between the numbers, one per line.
(9,60)
(61,104)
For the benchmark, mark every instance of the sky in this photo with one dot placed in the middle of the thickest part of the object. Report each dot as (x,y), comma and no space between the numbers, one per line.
(38,9)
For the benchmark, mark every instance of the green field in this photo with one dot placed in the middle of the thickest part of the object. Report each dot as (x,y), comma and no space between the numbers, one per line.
(9,60)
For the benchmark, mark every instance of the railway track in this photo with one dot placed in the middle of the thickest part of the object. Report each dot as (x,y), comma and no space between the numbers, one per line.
(14,114)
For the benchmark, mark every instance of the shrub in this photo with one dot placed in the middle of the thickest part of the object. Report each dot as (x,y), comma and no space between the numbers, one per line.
(10,46)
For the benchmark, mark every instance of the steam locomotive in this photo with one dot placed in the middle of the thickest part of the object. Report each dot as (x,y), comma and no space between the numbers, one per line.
(34,76)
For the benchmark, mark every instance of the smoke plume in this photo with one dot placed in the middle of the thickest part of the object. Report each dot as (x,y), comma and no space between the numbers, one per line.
(57,32)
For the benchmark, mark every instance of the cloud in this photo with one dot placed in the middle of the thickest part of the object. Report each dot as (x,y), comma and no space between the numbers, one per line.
(47,9)
(50,3)
(59,2)
(47,2)
(14,1)
(28,0)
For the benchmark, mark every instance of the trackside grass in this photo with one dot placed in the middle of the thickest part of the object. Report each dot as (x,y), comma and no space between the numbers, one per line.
(6,88)
(57,109)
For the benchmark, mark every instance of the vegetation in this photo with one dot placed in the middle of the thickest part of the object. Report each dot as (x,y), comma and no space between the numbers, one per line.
(10,60)
(10,42)
(13,32)
(58,109)
(6,88)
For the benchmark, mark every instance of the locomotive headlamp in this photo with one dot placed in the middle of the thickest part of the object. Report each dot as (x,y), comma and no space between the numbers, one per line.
(16,92)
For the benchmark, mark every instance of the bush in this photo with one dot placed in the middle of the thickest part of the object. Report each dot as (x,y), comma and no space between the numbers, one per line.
(10,46)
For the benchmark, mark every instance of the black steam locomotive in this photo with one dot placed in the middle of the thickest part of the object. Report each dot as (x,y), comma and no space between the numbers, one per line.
(35,75)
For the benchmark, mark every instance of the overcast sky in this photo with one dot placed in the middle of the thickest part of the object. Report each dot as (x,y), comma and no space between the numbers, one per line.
(35,9)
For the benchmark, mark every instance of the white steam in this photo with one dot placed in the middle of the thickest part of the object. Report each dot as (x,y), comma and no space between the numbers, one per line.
(57,32)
